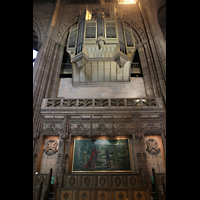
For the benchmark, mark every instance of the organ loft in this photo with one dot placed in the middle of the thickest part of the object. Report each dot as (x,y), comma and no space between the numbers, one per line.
(99,100)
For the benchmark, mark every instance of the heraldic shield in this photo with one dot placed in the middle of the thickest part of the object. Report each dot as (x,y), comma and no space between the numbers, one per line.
(51,147)
(152,146)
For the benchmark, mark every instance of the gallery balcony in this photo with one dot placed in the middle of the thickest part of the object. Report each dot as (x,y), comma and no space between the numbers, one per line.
(108,105)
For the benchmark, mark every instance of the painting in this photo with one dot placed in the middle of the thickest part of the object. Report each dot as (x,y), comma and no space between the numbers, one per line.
(101,155)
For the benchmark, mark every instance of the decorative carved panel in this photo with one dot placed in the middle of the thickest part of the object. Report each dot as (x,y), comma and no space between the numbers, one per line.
(51,147)
(139,195)
(152,146)
(120,195)
(84,195)
(66,195)
(103,195)
(132,181)
(102,181)
(117,180)
(86,181)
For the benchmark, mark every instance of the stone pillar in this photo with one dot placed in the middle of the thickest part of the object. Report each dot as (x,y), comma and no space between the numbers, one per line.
(152,71)
(145,71)
(146,16)
(43,66)
(159,40)
(56,71)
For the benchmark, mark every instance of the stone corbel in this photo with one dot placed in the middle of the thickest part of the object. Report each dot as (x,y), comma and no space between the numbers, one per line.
(81,59)
(100,41)
(121,59)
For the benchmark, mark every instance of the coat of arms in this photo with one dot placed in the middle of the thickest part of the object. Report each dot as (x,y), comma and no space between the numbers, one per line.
(152,146)
(51,147)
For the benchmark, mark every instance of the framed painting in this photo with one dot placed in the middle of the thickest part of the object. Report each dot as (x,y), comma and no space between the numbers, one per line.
(101,155)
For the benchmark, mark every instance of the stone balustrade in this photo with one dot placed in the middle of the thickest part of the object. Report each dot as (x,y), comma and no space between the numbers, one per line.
(99,103)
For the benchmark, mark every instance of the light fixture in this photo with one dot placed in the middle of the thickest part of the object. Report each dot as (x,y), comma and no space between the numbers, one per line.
(127,1)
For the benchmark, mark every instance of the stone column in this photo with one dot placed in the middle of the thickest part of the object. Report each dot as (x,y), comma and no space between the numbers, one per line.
(153,48)
(56,71)
(145,71)
(152,72)
(43,67)
(159,41)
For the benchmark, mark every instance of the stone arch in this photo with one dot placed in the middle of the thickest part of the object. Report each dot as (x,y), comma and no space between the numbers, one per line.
(139,35)
(39,29)
(161,15)
(62,34)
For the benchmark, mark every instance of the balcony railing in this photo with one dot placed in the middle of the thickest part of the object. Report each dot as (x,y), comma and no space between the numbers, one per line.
(135,67)
(66,68)
(99,103)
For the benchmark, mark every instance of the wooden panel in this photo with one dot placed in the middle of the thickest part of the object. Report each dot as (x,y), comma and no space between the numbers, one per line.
(102,181)
(103,195)
(87,181)
(67,195)
(84,195)
(138,195)
(120,195)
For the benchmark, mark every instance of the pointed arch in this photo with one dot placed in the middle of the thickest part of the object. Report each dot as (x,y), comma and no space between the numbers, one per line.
(139,34)
(39,29)
(62,34)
